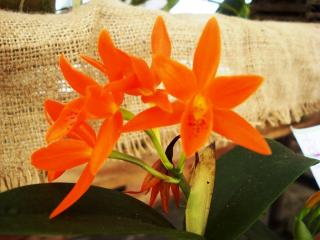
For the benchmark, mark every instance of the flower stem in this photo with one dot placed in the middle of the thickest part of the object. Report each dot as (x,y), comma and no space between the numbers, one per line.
(163,157)
(184,185)
(181,162)
(142,164)
(176,172)
(127,115)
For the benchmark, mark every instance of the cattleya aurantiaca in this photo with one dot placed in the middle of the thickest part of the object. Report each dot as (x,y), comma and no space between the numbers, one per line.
(202,103)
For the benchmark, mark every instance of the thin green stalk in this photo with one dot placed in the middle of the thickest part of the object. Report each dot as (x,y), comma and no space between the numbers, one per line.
(163,157)
(142,164)
(315,214)
(184,185)
(303,213)
(127,115)
(181,162)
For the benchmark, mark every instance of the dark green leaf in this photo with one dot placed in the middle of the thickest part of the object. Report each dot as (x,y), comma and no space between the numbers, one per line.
(138,2)
(246,184)
(100,211)
(259,231)
(170,4)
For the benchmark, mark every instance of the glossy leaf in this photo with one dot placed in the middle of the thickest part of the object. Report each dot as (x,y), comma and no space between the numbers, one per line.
(259,231)
(246,184)
(100,211)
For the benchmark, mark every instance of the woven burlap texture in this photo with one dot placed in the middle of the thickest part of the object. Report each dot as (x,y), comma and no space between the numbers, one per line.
(286,54)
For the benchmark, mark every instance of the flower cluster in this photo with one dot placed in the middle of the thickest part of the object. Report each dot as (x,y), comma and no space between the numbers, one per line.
(201,103)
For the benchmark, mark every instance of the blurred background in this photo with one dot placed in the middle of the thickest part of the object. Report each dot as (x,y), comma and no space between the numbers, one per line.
(290,10)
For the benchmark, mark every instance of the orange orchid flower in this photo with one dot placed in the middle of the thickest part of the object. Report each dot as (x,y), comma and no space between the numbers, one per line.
(81,132)
(204,102)
(94,102)
(73,151)
(131,74)
(156,186)
(68,153)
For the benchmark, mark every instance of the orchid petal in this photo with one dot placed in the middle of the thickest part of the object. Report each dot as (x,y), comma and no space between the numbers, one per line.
(77,191)
(228,92)
(232,126)
(149,182)
(160,41)
(313,200)
(68,119)
(53,175)
(196,125)
(160,99)
(95,63)
(143,74)
(125,84)
(116,62)
(178,80)
(164,194)
(118,97)
(62,155)
(155,117)
(154,193)
(108,135)
(207,54)
(76,79)
(82,131)
(176,193)
(53,109)
(85,132)
(99,103)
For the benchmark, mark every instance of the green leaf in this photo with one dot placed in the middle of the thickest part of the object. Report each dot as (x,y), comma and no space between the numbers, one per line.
(170,4)
(201,189)
(259,231)
(100,211)
(246,184)
(301,232)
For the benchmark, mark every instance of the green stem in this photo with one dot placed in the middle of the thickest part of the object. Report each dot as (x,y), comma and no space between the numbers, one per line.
(184,185)
(163,157)
(142,164)
(178,173)
(181,162)
(314,216)
(127,115)
(303,213)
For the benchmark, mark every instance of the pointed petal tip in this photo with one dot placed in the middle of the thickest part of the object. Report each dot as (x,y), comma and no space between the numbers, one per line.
(159,18)
(103,32)
(53,214)
(160,40)
(207,54)
(265,149)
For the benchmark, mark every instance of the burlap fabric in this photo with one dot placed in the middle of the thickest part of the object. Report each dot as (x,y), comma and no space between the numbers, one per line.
(287,54)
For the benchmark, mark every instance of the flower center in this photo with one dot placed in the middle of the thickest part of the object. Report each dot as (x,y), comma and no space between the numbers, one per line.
(199,107)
